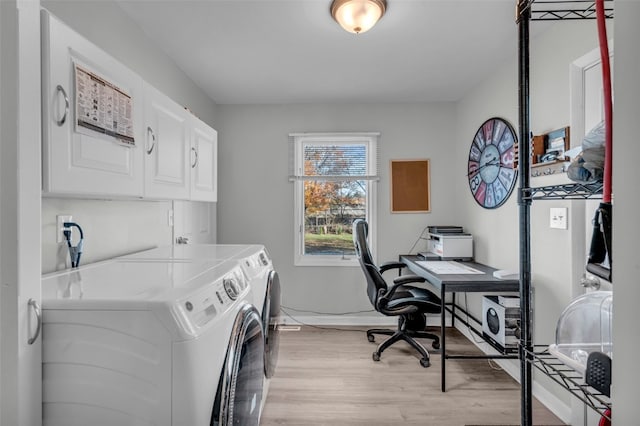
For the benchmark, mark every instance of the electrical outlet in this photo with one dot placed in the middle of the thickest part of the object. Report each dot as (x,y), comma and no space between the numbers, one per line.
(558,217)
(60,220)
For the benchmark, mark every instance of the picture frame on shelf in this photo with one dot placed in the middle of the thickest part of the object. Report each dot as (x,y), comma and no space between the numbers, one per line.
(548,152)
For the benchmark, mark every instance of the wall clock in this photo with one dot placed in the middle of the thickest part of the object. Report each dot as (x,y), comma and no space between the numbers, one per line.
(491,172)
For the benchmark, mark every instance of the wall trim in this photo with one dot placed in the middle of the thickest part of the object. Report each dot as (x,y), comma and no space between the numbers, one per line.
(348,320)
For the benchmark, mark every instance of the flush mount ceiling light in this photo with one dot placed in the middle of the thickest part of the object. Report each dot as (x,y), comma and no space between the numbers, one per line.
(357,16)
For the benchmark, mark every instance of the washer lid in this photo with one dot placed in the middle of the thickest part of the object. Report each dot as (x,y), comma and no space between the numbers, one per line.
(193,251)
(129,285)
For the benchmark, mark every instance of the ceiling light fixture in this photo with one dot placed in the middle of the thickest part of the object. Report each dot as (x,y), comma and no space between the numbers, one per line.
(357,16)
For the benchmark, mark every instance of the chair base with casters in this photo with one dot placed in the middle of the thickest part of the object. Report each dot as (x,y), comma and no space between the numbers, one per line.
(410,327)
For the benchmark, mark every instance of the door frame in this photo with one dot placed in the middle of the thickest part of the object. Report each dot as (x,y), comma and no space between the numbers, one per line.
(581,212)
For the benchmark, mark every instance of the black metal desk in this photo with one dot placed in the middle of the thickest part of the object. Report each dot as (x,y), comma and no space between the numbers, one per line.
(468,283)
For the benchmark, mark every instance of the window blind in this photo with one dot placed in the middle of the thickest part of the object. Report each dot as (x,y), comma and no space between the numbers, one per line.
(333,156)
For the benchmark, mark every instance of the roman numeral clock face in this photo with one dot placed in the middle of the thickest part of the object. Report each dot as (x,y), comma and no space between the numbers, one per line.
(491,171)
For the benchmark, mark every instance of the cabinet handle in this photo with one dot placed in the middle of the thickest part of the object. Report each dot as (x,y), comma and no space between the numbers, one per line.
(195,162)
(66,105)
(153,138)
(33,304)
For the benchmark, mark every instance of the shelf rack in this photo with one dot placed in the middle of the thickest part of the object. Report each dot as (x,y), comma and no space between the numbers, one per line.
(569,191)
(570,380)
(527,11)
(552,10)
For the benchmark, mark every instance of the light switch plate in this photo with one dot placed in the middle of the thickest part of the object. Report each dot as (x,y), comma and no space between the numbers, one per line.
(558,217)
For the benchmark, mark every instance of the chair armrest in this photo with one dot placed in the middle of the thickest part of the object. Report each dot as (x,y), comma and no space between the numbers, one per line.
(385,297)
(406,279)
(399,282)
(391,265)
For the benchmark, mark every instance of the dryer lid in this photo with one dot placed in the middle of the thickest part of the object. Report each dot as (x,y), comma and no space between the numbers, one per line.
(124,284)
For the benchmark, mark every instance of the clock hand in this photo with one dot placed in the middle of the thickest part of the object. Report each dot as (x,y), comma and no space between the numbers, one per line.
(492,162)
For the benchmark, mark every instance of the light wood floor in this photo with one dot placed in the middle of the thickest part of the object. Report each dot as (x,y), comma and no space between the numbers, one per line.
(327,377)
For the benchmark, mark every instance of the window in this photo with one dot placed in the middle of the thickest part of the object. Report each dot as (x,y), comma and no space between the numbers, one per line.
(334,177)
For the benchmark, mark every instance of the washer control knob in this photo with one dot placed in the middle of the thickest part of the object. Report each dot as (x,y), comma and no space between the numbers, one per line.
(189,306)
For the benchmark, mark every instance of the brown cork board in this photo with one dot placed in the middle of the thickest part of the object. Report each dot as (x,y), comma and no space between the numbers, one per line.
(410,184)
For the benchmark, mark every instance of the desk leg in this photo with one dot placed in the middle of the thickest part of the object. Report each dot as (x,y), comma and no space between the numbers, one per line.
(453,309)
(443,346)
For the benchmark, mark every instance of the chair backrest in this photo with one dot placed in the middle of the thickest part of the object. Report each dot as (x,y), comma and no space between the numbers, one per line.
(375,281)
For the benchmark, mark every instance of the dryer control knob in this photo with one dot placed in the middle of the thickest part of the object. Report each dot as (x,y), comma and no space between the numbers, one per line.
(231,288)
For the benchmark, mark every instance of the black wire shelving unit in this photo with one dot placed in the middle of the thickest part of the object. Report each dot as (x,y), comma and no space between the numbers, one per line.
(571,380)
(527,11)
(554,10)
(569,191)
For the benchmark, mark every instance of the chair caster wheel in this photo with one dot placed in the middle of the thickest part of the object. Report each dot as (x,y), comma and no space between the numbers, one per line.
(435,345)
(371,338)
(425,362)
(376,356)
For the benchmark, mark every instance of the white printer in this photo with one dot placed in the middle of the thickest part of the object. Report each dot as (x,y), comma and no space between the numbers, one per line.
(451,246)
(448,245)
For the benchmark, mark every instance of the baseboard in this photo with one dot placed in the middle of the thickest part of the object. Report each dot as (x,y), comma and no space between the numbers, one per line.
(348,320)
(512,368)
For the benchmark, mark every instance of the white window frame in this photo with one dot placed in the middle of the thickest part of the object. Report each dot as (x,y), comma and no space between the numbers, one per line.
(299,140)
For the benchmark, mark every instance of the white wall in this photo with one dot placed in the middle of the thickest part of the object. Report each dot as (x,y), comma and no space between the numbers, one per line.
(119,227)
(626,232)
(256,198)
(496,231)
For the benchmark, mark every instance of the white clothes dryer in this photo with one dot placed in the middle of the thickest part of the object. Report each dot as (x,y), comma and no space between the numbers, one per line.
(151,343)
(257,265)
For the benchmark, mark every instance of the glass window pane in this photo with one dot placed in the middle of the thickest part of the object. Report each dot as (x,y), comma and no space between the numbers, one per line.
(330,207)
(335,160)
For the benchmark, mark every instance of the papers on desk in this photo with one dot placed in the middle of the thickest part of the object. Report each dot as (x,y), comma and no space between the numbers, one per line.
(442,267)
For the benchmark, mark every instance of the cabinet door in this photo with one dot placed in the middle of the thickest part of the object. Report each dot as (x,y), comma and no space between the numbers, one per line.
(167,147)
(204,157)
(82,157)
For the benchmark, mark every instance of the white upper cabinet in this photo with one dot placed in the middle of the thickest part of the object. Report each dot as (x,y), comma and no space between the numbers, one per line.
(92,112)
(167,147)
(108,134)
(204,158)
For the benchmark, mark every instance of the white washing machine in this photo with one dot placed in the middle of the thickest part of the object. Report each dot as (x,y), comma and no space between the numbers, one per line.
(263,280)
(151,343)
(188,252)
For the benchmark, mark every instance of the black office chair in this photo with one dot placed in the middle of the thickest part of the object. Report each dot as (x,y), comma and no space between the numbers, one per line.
(410,304)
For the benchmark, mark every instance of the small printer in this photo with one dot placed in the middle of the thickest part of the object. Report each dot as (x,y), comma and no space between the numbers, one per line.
(451,246)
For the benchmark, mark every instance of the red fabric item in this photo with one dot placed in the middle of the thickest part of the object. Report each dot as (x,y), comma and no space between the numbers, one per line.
(608,103)
(604,421)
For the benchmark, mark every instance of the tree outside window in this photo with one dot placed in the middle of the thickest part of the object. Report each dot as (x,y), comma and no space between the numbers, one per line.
(333,188)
